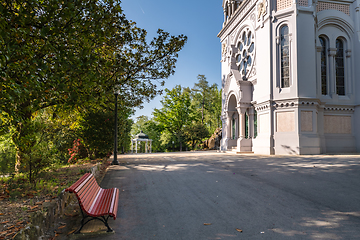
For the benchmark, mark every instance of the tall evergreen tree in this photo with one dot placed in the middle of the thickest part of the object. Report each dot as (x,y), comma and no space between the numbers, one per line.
(206,100)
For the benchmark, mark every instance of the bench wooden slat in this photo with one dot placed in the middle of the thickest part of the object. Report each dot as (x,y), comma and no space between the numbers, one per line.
(88,193)
(104,204)
(84,181)
(101,201)
(73,187)
(115,204)
(94,200)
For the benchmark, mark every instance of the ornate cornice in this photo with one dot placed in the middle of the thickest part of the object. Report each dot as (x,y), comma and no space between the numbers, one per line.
(263,106)
(339,108)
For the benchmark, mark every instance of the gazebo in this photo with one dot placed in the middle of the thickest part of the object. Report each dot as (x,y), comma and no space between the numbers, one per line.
(141,137)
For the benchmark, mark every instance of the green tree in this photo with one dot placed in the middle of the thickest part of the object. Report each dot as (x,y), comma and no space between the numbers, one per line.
(206,100)
(74,53)
(150,128)
(154,131)
(201,96)
(176,112)
(96,129)
(214,109)
(139,125)
(195,133)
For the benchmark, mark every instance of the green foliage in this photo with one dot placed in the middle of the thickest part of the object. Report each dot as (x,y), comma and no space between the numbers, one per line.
(188,116)
(139,125)
(169,142)
(154,130)
(96,129)
(69,54)
(150,128)
(207,102)
(195,133)
(7,154)
(45,141)
(176,113)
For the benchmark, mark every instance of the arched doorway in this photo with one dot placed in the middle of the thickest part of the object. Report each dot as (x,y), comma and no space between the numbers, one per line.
(233,122)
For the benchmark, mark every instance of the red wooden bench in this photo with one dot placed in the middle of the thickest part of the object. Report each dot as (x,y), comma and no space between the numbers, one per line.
(95,202)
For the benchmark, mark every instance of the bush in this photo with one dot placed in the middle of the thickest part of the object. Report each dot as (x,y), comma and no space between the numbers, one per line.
(77,151)
(7,154)
(96,129)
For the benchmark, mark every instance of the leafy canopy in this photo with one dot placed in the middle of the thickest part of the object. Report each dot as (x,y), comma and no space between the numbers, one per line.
(176,112)
(69,54)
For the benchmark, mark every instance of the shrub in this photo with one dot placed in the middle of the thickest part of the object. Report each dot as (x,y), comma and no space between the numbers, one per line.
(7,154)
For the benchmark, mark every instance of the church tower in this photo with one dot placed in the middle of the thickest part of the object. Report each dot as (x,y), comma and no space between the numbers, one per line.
(291,76)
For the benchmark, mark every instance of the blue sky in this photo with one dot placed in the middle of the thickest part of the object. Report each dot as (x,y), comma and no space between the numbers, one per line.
(199,20)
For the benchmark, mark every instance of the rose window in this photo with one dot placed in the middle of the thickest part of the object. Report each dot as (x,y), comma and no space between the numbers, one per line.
(246,52)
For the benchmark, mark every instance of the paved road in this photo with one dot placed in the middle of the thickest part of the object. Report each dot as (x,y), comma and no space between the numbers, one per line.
(174,196)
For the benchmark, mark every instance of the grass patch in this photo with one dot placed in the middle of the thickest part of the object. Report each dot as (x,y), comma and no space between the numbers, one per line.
(50,182)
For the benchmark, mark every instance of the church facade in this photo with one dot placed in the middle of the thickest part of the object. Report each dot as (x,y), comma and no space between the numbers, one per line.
(291,76)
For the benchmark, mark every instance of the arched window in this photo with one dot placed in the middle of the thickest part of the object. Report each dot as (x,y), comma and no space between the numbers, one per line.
(340,67)
(285,56)
(323,71)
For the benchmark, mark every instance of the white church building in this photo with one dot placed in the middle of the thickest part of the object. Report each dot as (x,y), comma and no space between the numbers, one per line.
(291,76)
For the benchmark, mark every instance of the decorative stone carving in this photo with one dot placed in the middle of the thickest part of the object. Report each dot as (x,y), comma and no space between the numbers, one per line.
(262,6)
(348,109)
(245,52)
(223,49)
(253,18)
(259,107)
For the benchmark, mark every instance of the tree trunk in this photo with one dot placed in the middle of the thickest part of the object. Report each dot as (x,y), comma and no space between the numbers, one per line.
(23,145)
(202,111)
(180,142)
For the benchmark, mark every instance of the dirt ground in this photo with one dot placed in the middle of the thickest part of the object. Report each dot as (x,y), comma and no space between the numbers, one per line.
(15,213)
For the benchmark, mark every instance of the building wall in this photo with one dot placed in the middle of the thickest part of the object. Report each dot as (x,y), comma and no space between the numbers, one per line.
(300,118)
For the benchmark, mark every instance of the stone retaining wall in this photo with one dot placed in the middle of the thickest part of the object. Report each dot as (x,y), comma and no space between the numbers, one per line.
(45,221)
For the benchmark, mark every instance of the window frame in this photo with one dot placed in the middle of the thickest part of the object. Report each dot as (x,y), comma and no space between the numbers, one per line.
(324,51)
(337,68)
(280,82)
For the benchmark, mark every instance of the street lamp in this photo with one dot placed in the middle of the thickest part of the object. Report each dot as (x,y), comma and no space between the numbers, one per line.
(115,161)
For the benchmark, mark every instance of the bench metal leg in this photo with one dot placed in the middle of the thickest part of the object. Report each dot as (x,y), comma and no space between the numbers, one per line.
(101,218)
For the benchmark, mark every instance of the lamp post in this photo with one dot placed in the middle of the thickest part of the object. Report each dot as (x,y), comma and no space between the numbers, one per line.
(115,161)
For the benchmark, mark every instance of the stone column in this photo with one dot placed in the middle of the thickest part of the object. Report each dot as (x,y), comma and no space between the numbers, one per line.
(136,146)
(242,126)
(132,146)
(251,123)
(150,146)
(241,138)
(228,125)
(332,72)
(348,82)
(146,146)
(357,22)
(223,139)
(232,7)
(229,9)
